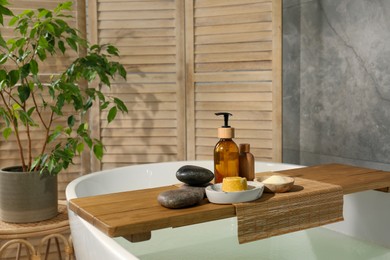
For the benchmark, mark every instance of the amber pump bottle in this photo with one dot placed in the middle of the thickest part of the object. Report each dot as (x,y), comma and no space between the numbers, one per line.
(246,162)
(225,152)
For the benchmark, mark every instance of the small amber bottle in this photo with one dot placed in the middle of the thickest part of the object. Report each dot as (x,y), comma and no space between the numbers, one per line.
(225,152)
(246,162)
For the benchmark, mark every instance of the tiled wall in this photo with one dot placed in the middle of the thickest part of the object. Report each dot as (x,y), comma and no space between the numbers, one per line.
(336,82)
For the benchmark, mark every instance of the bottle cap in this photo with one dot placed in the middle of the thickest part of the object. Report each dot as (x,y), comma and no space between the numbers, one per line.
(225,132)
(244,148)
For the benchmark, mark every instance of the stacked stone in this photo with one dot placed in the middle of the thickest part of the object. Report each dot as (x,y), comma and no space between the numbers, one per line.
(192,192)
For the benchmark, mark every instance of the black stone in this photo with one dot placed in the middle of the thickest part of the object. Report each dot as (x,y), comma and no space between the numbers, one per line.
(180,198)
(194,175)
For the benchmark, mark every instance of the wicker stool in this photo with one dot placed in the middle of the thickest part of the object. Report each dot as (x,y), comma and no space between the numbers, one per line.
(34,236)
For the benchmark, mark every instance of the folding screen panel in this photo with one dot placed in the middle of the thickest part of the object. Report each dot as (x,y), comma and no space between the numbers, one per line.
(150,37)
(234,65)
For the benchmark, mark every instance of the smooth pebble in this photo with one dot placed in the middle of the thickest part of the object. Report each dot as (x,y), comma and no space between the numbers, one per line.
(194,175)
(180,198)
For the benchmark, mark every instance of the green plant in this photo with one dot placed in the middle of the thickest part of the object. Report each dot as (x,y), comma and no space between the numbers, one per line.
(30,102)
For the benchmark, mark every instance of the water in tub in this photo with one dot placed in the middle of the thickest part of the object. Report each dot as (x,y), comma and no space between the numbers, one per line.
(218,240)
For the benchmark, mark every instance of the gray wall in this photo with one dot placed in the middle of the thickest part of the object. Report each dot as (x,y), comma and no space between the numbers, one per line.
(336,82)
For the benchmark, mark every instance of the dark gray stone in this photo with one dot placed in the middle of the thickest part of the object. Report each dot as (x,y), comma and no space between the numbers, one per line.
(180,198)
(194,175)
(201,188)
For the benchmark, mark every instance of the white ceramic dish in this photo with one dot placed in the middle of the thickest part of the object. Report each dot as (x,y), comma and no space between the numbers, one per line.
(216,195)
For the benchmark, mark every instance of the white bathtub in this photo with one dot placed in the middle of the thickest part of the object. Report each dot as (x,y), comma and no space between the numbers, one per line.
(366,219)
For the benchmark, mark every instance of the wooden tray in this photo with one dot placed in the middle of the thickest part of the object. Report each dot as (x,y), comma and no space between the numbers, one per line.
(134,212)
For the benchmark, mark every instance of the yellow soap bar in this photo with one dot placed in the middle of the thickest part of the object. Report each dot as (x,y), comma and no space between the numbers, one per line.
(231,184)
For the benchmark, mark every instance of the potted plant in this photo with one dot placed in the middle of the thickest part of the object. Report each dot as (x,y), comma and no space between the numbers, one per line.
(57,105)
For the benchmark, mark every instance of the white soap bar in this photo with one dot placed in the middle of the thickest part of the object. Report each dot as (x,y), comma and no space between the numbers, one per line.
(274,179)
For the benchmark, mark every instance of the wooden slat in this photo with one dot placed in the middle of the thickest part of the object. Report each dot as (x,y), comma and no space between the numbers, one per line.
(138,6)
(234,76)
(190,80)
(136,123)
(229,106)
(234,47)
(139,158)
(233,97)
(243,115)
(233,38)
(233,66)
(23,5)
(138,132)
(234,57)
(140,140)
(137,24)
(244,133)
(233,28)
(233,10)
(232,19)
(214,3)
(277,78)
(152,41)
(135,15)
(136,33)
(232,87)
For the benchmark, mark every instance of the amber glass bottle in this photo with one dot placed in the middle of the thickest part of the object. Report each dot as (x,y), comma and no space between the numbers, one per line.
(225,159)
(226,153)
(246,162)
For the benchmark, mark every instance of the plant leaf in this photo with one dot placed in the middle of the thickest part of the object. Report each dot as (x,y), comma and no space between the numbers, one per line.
(112,50)
(72,43)
(61,46)
(7,132)
(112,114)
(23,92)
(13,77)
(25,118)
(3,58)
(121,106)
(54,136)
(98,151)
(80,147)
(2,42)
(34,67)
(71,121)
(122,71)
(24,71)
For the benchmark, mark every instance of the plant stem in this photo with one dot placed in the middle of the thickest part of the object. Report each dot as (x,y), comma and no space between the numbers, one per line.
(47,133)
(46,126)
(24,167)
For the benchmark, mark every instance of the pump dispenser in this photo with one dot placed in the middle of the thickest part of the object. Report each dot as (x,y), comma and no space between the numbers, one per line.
(226,153)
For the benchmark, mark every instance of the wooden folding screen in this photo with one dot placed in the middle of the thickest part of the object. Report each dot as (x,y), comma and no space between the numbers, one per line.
(9,155)
(186,60)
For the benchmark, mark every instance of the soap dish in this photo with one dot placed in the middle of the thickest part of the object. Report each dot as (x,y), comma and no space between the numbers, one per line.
(216,195)
(288,183)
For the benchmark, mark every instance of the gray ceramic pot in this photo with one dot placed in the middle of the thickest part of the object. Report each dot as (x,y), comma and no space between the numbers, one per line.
(27,196)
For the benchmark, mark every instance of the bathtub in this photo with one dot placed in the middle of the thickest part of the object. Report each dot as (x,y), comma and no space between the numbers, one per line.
(365,233)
